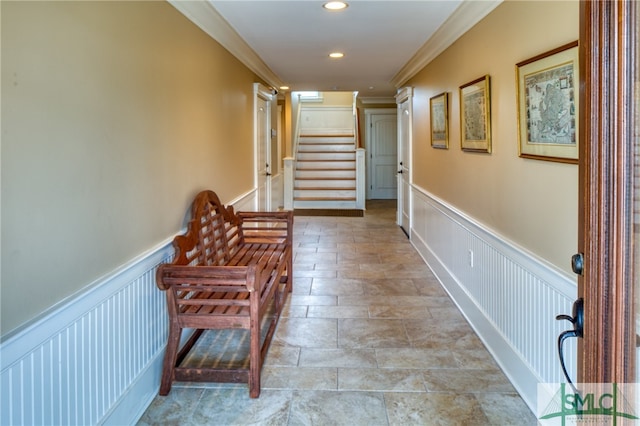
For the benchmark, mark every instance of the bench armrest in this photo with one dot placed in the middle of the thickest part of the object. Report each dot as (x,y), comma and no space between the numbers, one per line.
(239,277)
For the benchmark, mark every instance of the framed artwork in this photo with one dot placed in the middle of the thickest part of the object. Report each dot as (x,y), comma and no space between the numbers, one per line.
(439,107)
(475,115)
(548,104)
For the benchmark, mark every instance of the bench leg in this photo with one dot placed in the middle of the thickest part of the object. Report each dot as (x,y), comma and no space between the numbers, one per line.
(255,356)
(170,356)
(289,275)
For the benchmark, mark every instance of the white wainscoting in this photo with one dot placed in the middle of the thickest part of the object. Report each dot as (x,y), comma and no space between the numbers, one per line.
(247,202)
(95,358)
(509,296)
(277,191)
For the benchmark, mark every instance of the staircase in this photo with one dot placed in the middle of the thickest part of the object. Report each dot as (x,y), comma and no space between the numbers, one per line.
(325,172)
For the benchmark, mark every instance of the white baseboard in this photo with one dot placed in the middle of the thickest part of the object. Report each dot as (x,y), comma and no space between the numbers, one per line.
(137,398)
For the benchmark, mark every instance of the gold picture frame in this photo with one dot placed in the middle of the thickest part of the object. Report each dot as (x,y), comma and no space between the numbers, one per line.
(548,105)
(439,108)
(475,115)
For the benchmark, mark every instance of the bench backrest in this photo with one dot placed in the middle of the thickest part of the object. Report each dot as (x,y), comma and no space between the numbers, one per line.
(213,235)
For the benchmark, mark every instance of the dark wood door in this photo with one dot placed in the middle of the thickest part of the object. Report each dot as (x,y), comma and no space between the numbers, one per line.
(609,129)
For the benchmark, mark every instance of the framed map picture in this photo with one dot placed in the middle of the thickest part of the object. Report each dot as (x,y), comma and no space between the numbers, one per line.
(439,121)
(548,105)
(475,115)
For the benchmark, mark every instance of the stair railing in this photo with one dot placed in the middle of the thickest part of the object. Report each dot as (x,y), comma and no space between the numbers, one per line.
(356,123)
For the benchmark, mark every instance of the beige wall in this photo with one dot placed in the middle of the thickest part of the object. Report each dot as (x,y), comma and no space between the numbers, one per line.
(114,115)
(337,98)
(532,203)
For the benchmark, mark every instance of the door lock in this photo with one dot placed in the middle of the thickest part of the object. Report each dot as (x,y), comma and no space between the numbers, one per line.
(577,263)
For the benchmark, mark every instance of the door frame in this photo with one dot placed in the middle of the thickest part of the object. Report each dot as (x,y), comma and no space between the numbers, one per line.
(368,114)
(263,201)
(605,236)
(405,143)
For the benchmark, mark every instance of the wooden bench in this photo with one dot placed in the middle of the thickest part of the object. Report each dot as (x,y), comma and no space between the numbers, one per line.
(230,271)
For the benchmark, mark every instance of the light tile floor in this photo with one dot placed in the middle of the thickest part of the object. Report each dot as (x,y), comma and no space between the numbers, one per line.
(368,337)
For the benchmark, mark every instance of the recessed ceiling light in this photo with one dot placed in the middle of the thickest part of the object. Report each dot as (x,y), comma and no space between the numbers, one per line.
(284,87)
(336,55)
(335,5)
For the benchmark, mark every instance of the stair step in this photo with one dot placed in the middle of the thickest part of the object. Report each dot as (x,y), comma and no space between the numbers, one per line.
(324,188)
(324,198)
(326,135)
(325,151)
(320,161)
(336,184)
(322,165)
(325,178)
(321,182)
(325,169)
(331,164)
(309,174)
(325,175)
(327,141)
(315,148)
(326,156)
(324,204)
(325,192)
(332,148)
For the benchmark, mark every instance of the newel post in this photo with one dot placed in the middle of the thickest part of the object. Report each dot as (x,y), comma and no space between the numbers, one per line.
(288,182)
(360,179)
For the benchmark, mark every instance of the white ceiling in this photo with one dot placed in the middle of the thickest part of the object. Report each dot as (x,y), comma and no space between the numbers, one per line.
(384,42)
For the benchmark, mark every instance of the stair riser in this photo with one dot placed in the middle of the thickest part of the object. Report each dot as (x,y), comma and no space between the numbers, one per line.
(307,165)
(327,156)
(327,140)
(326,147)
(329,194)
(323,183)
(323,174)
(299,204)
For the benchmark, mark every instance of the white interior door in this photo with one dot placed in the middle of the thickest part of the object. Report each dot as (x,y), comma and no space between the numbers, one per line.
(262,125)
(405,117)
(382,146)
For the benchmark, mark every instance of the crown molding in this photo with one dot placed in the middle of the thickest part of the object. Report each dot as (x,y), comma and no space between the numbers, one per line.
(461,20)
(207,18)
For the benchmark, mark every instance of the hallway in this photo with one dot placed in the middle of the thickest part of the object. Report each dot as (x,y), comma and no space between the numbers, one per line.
(368,337)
